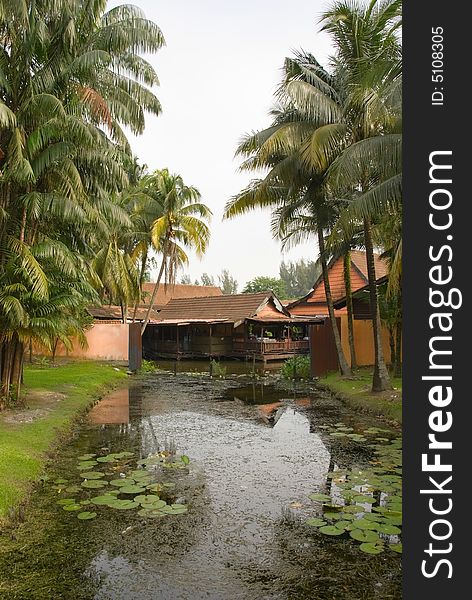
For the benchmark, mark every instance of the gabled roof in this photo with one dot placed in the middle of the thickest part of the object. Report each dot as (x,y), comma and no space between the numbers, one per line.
(359,278)
(178,290)
(233,308)
(113,313)
(360,294)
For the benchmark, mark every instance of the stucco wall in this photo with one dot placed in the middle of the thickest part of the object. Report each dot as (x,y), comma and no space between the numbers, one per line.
(363,342)
(106,341)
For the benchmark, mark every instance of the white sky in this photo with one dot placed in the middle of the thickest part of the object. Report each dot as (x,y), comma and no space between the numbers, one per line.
(218,72)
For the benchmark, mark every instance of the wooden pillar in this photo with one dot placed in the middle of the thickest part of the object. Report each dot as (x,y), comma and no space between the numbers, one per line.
(211,333)
(178,340)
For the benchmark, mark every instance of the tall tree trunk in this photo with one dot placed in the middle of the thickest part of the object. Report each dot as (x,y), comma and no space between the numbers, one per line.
(154,293)
(344,367)
(17,368)
(391,341)
(397,367)
(381,379)
(141,281)
(350,311)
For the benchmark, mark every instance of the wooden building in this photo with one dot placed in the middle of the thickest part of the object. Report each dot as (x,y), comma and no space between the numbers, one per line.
(240,325)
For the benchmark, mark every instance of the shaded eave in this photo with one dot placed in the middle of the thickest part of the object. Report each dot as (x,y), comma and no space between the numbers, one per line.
(363,291)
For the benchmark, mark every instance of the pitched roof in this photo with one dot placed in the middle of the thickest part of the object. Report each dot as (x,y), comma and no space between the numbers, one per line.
(113,313)
(358,258)
(359,278)
(178,290)
(231,308)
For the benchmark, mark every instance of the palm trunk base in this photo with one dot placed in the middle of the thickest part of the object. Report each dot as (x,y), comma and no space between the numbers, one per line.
(380,381)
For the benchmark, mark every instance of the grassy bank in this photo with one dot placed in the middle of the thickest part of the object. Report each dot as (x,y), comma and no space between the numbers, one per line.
(54,396)
(357,393)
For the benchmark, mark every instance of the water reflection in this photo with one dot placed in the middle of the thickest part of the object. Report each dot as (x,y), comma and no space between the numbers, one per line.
(112,410)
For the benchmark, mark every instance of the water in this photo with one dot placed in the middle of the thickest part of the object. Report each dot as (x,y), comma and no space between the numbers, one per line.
(256,452)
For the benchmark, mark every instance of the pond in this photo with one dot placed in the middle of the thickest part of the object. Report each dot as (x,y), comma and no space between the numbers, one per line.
(257,452)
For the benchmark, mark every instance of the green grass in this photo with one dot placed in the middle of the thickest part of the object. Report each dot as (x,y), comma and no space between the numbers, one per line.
(23,445)
(357,393)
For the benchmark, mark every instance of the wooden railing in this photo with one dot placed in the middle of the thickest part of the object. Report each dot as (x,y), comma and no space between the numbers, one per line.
(270,347)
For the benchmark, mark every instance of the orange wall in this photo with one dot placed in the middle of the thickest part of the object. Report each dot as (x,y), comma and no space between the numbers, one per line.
(363,342)
(106,341)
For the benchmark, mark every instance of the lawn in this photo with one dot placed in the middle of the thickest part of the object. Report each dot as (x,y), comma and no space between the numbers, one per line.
(357,393)
(54,397)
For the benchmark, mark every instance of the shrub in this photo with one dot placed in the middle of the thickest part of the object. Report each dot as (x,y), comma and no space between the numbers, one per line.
(217,369)
(297,367)
(148,366)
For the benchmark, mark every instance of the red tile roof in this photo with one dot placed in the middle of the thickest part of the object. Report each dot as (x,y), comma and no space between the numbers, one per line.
(178,290)
(359,278)
(230,308)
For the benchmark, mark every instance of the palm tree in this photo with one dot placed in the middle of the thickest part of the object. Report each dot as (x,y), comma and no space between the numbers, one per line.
(181,225)
(70,78)
(369,56)
(295,186)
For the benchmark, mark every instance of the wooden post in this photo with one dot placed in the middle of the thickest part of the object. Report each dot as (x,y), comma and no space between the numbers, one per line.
(177,341)
(211,333)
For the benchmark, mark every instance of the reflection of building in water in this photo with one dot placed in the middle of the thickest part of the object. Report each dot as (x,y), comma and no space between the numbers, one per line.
(118,416)
(112,410)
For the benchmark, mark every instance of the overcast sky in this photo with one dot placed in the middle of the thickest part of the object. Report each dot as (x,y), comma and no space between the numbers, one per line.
(218,72)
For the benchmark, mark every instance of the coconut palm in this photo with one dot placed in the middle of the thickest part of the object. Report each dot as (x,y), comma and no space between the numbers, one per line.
(369,57)
(70,78)
(182,225)
(294,187)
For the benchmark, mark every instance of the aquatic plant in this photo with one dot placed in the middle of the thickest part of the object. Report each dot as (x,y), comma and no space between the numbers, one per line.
(217,369)
(371,512)
(298,367)
(136,488)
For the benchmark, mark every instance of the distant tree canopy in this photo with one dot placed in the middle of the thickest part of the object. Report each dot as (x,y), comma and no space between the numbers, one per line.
(185,279)
(207,279)
(227,283)
(299,277)
(264,284)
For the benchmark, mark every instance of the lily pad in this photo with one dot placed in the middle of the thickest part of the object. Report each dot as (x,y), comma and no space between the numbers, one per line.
(361,535)
(103,500)
(342,524)
(93,484)
(60,481)
(153,502)
(73,489)
(72,507)
(320,497)
(364,524)
(153,514)
(107,459)
(389,529)
(155,487)
(123,504)
(364,499)
(185,459)
(65,501)
(132,489)
(86,457)
(87,464)
(86,515)
(396,548)
(120,482)
(92,475)
(316,522)
(370,548)
(331,530)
